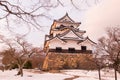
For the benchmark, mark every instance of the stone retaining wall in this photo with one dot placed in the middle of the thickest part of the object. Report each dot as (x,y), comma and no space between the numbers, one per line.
(68,61)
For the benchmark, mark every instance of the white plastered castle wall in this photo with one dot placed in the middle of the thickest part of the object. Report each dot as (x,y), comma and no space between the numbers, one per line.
(88,44)
(69,44)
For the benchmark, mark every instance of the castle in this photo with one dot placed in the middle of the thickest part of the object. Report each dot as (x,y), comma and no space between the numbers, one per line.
(65,37)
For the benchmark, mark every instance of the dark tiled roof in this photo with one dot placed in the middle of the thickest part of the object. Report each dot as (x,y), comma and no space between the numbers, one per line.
(87,38)
(62,27)
(56,37)
(66,15)
(67,21)
(73,30)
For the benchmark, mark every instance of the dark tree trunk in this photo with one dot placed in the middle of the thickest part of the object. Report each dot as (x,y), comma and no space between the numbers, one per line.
(99,73)
(115,69)
(20,72)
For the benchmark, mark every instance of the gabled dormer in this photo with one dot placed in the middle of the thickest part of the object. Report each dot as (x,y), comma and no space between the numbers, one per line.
(66,18)
(71,34)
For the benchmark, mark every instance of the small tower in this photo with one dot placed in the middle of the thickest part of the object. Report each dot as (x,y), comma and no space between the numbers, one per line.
(62,22)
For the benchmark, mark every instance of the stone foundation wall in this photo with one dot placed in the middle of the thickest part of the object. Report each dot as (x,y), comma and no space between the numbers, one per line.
(68,61)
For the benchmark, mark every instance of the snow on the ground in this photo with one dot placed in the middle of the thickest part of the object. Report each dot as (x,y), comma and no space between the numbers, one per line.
(92,75)
(10,75)
(83,75)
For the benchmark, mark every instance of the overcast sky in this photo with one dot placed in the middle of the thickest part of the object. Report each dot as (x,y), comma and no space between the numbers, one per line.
(106,14)
(94,19)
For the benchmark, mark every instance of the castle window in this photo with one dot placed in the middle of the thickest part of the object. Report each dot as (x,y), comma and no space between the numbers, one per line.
(83,48)
(62,26)
(71,50)
(71,26)
(58,49)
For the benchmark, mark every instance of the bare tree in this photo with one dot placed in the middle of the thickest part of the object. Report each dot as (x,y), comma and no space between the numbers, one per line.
(99,62)
(20,51)
(110,45)
(77,4)
(26,12)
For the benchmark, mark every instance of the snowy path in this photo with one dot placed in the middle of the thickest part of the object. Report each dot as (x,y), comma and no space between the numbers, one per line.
(72,78)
